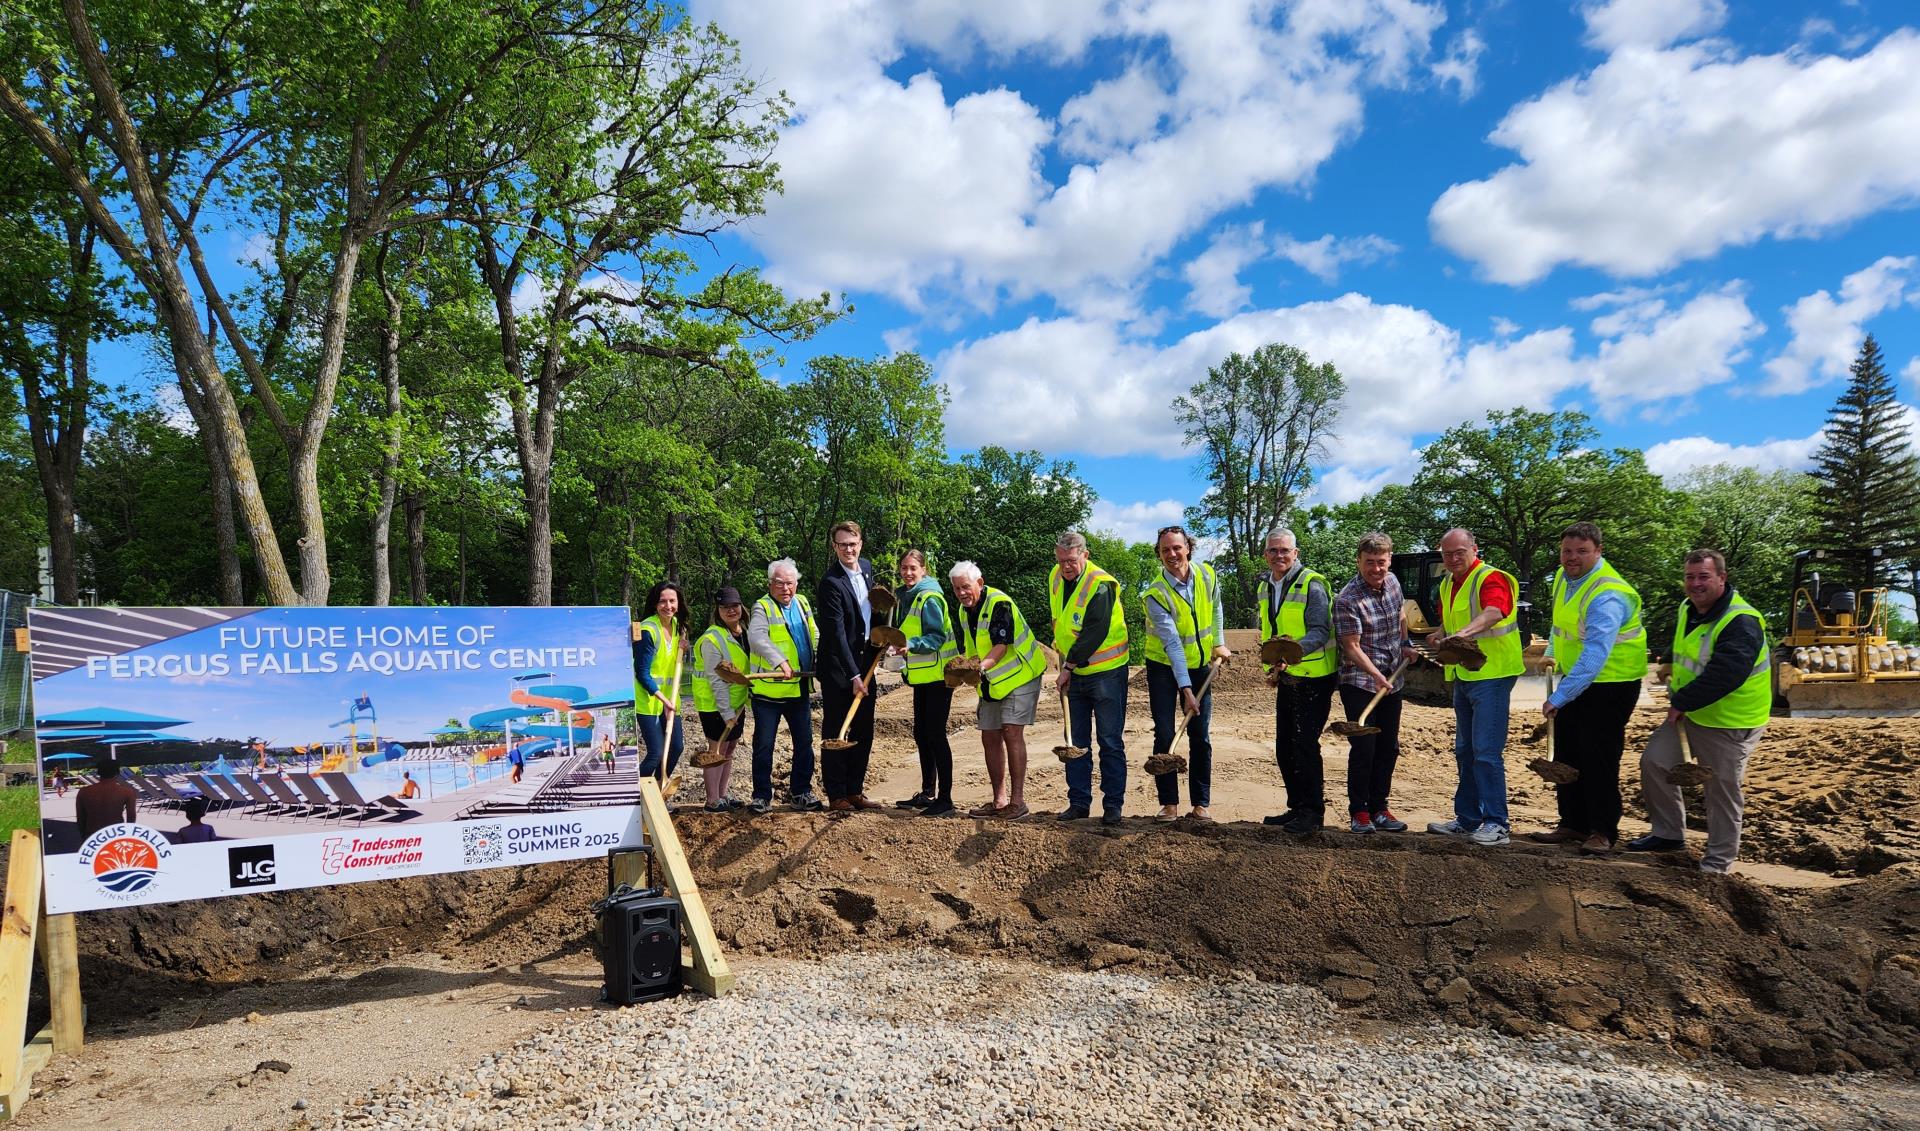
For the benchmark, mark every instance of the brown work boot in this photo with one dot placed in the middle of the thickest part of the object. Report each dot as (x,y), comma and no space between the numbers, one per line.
(1597,845)
(860,802)
(1559,834)
(840,805)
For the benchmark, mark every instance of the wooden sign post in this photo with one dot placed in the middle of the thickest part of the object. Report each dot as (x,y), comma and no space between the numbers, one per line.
(24,922)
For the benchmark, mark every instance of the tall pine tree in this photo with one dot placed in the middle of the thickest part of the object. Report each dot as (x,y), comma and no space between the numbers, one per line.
(1869,478)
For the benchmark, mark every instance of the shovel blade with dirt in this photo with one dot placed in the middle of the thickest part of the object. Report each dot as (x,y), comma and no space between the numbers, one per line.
(886,636)
(1166,761)
(1463,653)
(1688,772)
(1158,764)
(1281,650)
(1358,727)
(708,758)
(882,599)
(962,671)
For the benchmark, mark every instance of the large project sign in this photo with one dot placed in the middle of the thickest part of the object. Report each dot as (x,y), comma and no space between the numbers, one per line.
(197,752)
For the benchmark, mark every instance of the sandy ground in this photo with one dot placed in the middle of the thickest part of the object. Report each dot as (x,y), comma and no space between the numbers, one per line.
(1805,961)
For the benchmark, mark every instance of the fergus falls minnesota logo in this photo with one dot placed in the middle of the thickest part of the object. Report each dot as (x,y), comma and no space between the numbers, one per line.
(125,860)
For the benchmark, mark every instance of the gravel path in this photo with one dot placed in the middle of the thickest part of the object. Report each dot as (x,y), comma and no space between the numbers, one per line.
(914,1039)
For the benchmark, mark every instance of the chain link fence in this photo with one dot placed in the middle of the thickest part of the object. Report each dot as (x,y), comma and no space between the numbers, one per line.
(16,678)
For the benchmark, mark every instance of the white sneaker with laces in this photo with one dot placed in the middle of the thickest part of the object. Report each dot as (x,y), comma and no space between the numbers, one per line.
(1490,835)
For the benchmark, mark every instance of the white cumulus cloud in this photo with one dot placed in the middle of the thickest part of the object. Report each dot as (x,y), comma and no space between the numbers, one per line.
(1827,332)
(1135,522)
(1323,258)
(890,188)
(1684,453)
(1661,156)
(1213,276)
(1612,24)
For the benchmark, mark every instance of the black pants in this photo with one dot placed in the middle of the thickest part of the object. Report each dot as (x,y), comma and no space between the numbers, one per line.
(1371,757)
(932,703)
(1300,709)
(1588,734)
(844,772)
(1163,700)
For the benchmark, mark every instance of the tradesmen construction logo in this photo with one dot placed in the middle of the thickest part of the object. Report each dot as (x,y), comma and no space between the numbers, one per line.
(376,853)
(125,859)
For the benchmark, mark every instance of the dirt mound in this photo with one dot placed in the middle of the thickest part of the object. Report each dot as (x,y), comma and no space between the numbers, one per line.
(1394,927)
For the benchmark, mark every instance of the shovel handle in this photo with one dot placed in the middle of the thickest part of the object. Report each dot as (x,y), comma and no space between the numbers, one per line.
(1197,696)
(1552,724)
(854,709)
(1382,693)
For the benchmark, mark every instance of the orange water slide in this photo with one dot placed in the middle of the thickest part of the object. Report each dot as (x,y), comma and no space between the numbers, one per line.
(527,698)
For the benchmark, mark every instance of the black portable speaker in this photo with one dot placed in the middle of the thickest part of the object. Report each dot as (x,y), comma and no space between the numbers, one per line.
(640,946)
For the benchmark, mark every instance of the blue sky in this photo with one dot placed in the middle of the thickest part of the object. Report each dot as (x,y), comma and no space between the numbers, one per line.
(1679,216)
(286,709)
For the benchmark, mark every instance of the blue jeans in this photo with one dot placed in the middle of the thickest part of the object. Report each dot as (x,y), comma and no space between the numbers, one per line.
(767,714)
(1480,710)
(654,737)
(1163,699)
(1097,704)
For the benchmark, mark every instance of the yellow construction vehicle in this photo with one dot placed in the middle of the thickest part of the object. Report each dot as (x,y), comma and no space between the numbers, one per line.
(1835,658)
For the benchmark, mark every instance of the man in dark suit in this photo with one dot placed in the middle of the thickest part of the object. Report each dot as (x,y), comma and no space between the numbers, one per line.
(846,615)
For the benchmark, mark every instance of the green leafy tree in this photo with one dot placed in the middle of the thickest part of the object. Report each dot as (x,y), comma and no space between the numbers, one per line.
(1526,476)
(1868,493)
(1007,510)
(1259,423)
(1758,520)
(1131,565)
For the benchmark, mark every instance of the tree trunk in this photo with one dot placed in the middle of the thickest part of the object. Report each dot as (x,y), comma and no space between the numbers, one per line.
(225,542)
(390,454)
(416,508)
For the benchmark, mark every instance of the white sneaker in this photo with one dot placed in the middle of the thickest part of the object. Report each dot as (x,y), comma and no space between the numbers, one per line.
(1490,835)
(1449,827)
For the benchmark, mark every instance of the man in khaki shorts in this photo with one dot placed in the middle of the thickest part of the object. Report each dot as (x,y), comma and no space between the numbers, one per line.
(992,631)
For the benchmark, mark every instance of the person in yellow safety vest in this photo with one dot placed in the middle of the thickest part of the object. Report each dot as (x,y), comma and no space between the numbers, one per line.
(1297,602)
(931,642)
(1599,649)
(782,637)
(1183,621)
(992,631)
(1482,604)
(656,662)
(1090,635)
(1721,692)
(722,705)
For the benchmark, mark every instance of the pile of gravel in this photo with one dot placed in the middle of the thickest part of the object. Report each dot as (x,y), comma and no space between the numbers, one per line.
(920,1039)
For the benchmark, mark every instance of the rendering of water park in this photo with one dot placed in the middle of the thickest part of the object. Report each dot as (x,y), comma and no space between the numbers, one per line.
(295,750)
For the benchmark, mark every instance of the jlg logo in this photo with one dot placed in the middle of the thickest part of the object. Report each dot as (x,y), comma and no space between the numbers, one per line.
(250,866)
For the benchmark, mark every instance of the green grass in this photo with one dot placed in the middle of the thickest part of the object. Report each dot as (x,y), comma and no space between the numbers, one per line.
(19,808)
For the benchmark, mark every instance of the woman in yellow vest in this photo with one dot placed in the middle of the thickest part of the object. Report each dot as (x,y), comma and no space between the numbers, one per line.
(1721,692)
(722,705)
(1183,641)
(656,660)
(992,631)
(928,627)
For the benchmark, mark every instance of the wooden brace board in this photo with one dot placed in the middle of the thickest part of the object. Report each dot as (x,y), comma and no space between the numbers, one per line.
(708,973)
(24,923)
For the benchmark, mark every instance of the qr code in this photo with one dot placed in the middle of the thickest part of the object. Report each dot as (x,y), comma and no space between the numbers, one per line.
(482,844)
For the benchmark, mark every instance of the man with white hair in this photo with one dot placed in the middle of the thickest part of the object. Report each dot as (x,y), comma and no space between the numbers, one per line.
(992,631)
(781,637)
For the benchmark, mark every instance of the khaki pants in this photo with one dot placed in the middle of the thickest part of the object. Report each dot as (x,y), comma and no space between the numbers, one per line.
(1722,750)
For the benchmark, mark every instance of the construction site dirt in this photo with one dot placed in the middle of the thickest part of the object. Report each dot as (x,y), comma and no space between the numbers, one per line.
(1805,960)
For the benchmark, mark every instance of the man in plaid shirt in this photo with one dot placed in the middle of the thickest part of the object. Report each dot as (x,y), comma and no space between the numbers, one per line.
(1369,620)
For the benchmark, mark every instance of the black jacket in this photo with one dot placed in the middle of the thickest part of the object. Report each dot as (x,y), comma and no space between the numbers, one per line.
(844,651)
